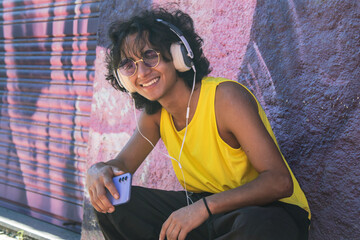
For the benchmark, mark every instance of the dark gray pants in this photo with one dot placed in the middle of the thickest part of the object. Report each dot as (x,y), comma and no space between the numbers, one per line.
(143,216)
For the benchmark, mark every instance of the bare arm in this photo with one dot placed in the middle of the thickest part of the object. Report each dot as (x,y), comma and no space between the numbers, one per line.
(239,122)
(99,175)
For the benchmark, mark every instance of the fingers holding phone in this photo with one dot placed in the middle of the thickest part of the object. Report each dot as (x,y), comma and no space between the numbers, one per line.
(123,187)
(98,182)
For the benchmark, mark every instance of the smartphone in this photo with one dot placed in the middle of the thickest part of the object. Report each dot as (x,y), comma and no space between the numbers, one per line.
(123,186)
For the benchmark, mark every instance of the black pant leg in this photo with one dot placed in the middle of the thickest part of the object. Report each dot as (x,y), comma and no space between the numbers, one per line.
(301,218)
(142,217)
(257,223)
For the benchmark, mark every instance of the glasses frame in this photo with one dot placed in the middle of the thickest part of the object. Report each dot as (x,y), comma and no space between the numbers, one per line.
(140,60)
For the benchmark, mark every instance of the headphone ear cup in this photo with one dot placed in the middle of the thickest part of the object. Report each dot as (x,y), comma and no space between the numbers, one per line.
(181,60)
(123,81)
(127,85)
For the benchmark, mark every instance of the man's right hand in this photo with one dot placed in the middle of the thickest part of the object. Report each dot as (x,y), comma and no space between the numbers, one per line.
(99,176)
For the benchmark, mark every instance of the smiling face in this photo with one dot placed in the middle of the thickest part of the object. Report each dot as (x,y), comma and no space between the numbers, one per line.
(153,83)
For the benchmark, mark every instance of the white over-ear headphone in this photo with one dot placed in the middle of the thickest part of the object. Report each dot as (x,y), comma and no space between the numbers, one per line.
(181,54)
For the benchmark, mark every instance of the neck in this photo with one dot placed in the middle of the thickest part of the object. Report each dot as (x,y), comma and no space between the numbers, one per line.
(177,103)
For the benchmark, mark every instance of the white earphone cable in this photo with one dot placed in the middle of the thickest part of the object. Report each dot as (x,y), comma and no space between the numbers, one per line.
(186,128)
(183,142)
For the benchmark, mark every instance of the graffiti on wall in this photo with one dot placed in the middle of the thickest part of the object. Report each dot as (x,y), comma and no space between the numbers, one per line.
(46,75)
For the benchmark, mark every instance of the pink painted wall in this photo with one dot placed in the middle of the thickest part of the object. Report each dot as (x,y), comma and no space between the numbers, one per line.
(301,59)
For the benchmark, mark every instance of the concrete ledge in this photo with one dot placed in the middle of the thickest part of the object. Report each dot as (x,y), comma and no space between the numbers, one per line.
(34,228)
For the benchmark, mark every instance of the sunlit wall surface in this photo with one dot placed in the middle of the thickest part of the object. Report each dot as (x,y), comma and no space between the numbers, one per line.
(47,54)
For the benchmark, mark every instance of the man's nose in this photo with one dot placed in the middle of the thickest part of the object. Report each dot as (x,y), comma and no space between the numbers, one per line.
(143,70)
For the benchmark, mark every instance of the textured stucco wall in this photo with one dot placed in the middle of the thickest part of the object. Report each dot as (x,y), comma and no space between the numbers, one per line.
(303,63)
(301,59)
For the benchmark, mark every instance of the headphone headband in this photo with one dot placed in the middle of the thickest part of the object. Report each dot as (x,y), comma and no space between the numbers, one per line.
(180,35)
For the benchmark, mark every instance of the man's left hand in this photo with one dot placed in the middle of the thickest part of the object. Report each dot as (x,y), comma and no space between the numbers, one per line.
(182,221)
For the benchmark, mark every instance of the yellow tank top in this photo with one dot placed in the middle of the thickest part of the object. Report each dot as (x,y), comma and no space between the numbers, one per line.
(208,163)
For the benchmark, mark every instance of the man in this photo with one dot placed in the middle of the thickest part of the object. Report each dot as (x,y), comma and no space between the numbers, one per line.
(237,183)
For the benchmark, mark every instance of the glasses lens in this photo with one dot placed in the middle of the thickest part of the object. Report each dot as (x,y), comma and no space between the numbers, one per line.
(127,67)
(151,58)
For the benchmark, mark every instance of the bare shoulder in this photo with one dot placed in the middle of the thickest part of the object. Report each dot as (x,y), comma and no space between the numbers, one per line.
(235,109)
(150,120)
(233,95)
(154,118)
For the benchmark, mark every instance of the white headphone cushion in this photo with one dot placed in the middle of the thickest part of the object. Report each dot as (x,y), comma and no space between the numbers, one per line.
(125,82)
(178,58)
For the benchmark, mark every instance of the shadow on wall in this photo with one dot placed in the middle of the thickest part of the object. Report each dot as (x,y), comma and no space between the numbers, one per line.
(302,63)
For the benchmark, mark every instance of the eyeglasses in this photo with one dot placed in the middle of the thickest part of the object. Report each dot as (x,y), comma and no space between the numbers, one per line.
(150,58)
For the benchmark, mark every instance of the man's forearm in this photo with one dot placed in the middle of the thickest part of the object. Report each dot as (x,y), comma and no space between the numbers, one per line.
(266,188)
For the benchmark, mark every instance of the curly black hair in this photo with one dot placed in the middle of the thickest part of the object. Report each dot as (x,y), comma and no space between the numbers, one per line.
(160,37)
